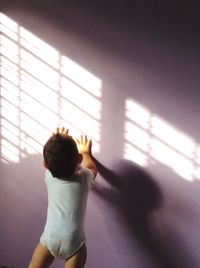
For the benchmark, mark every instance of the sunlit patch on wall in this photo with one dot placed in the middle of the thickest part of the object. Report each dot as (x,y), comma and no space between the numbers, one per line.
(136,137)
(148,138)
(80,109)
(197,163)
(82,77)
(41,90)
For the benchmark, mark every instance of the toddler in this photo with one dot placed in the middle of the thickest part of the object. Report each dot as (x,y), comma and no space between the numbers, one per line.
(67,184)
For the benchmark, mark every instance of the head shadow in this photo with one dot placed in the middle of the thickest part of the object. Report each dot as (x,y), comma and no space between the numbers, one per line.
(134,198)
(133,192)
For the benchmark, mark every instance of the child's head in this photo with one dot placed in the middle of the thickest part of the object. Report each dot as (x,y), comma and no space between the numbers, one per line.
(61,155)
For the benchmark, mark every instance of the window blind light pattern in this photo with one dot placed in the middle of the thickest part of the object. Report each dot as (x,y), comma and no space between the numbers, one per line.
(41,90)
(150,139)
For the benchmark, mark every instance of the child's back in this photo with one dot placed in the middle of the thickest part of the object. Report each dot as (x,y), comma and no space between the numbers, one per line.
(68,184)
(64,230)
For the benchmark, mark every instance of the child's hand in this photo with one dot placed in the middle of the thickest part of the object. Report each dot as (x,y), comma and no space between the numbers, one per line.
(62,131)
(84,145)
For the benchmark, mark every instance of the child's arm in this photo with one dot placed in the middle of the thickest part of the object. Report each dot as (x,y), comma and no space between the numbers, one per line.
(84,146)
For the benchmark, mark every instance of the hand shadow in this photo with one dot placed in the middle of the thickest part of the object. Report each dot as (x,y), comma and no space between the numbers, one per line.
(135,196)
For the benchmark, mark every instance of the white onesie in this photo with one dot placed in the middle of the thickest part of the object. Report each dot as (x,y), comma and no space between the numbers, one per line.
(67,199)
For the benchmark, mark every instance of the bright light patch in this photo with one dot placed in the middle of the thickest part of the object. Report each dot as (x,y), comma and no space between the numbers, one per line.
(173,137)
(29,145)
(8,22)
(9,108)
(9,151)
(137,114)
(8,86)
(137,136)
(9,96)
(35,109)
(13,139)
(148,137)
(9,71)
(81,98)
(9,126)
(198,155)
(39,48)
(39,70)
(76,117)
(10,76)
(135,155)
(197,173)
(8,27)
(166,155)
(10,55)
(81,76)
(197,164)
(32,129)
(41,90)
(9,155)
(10,116)
(8,45)
(8,32)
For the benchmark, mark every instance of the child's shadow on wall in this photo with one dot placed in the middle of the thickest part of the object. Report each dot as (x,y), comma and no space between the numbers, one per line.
(134,197)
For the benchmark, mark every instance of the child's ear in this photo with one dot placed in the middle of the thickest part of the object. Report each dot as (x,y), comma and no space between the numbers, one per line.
(45,164)
(80,158)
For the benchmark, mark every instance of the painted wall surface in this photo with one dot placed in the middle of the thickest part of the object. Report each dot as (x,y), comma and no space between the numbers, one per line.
(136,74)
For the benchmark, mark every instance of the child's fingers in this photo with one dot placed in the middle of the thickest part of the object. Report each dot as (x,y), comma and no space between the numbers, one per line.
(62,130)
(89,142)
(55,131)
(66,131)
(85,139)
(77,141)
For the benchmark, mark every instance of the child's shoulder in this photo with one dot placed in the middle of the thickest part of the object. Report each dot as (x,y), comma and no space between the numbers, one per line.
(87,174)
(80,173)
(83,171)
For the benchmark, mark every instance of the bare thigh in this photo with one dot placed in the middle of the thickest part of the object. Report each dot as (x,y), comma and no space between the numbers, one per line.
(42,258)
(78,260)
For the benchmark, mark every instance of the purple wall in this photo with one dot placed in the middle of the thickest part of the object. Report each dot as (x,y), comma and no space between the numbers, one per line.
(138,215)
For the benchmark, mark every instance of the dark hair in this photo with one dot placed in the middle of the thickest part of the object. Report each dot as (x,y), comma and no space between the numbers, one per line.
(60,155)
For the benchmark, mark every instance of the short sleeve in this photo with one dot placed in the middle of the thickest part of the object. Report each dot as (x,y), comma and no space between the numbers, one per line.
(89,177)
(47,175)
